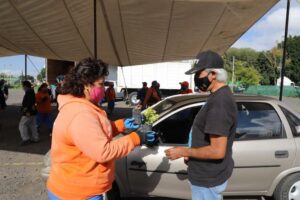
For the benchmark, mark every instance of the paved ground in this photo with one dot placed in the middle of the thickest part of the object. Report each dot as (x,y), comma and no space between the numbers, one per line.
(20,166)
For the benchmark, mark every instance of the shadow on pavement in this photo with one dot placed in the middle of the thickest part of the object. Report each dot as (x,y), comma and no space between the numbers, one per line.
(10,138)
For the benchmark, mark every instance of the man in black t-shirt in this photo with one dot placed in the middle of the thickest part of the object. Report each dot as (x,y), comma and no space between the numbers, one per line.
(210,162)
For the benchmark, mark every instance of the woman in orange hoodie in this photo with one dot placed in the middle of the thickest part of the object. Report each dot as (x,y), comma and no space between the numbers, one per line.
(83,151)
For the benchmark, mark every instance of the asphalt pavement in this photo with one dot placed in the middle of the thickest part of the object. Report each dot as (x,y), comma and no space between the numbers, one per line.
(20,165)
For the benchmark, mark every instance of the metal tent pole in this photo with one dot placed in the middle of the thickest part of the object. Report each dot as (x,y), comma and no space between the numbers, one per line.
(95,29)
(284,48)
(26,67)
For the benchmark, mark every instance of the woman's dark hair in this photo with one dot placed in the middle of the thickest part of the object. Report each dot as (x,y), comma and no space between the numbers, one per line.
(86,72)
(42,86)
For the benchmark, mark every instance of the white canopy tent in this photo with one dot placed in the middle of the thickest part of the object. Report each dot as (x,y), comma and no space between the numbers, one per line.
(129,32)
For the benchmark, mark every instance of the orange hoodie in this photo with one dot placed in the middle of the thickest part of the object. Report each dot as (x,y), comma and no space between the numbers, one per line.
(83,152)
(43,102)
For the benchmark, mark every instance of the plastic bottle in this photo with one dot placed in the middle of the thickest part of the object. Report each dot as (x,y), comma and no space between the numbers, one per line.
(137,115)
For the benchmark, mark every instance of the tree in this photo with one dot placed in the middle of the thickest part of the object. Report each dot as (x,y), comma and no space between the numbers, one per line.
(29,77)
(245,57)
(293,54)
(243,54)
(246,75)
(263,66)
(42,75)
(273,57)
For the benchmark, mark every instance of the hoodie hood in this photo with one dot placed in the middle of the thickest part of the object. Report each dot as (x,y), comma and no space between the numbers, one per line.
(64,100)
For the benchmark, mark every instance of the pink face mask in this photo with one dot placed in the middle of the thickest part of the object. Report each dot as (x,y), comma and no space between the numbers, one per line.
(97,94)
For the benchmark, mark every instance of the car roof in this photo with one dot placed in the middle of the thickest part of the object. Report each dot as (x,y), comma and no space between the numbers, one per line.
(203,97)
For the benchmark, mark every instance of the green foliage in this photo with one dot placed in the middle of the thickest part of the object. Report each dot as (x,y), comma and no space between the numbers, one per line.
(22,78)
(246,75)
(42,75)
(243,54)
(150,116)
(293,53)
(266,63)
(266,70)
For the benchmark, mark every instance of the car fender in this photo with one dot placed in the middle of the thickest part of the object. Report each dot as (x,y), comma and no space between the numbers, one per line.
(281,176)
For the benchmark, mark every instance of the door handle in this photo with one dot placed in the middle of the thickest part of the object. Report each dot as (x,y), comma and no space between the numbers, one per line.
(281,154)
(136,163)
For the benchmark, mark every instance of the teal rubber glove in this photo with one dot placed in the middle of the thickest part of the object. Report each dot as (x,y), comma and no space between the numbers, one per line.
(129,124)
(149,138)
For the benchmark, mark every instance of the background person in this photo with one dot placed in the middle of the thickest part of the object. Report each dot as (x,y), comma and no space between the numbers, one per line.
(110,95)
(153,95)
(184,89)
(59,83)
(83,151)
(43,102)
(4,88)
(142,93)
(28,120)
(210,162)
(2,99)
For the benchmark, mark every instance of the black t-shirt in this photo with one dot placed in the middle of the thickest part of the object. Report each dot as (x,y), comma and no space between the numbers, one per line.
(217,117)
(28,103)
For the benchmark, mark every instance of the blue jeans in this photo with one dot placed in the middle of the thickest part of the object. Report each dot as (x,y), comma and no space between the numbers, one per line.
(53,197)
(204,193)
(44,118)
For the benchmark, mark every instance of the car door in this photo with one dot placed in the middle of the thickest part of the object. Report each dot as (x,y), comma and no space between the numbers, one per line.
(150,172)
(263,147)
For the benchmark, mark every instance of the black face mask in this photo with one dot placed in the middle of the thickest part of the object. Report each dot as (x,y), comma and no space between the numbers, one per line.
(202,83)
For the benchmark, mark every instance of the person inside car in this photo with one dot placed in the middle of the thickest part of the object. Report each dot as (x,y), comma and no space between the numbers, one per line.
(210,162)
(83,151)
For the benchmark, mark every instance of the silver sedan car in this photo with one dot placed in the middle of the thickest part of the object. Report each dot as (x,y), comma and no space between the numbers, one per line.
(266,152)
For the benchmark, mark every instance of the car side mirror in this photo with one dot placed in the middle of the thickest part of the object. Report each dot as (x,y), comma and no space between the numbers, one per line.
(298,129)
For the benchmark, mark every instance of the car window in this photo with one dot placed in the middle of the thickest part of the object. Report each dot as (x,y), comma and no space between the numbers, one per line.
(258,121)
(163,106)
(175,128)
(292,119)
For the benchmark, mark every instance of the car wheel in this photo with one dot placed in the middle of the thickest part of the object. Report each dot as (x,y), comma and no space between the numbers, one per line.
(133,99)
(114,193)
(288,188)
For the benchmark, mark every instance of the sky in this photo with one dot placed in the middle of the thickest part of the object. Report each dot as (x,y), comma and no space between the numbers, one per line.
(263,35)
(269,30)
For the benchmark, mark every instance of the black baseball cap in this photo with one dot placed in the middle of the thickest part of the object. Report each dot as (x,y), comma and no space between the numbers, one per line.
(206,59)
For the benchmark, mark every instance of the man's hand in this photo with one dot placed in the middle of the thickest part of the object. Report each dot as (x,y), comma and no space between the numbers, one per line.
(176,152)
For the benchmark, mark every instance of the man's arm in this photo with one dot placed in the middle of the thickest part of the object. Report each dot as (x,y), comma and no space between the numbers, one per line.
(147,97)
(216,150)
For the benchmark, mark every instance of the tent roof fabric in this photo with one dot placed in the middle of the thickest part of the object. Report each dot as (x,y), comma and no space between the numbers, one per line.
(129,32)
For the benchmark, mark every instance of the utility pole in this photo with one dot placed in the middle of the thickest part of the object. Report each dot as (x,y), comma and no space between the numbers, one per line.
(25,67)
(232,77)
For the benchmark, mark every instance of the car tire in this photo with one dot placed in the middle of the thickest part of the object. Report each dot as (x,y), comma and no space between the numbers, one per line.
(114,193)
(133,99)
(288,188)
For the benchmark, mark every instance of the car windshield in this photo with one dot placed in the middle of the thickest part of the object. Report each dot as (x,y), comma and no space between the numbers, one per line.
(163,106)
